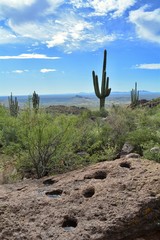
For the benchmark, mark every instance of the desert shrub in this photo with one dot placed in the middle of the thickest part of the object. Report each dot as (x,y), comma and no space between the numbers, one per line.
(39,135)
(154,121)
(3,118)
(121,121)
(105,154)
(103,113)
(141,135)
(75,140)
(149,153)
(147,129)
(8,133)
(3,113)
(50,144)
(43,143)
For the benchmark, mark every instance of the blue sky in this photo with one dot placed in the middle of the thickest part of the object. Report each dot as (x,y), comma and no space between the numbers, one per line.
(52,46)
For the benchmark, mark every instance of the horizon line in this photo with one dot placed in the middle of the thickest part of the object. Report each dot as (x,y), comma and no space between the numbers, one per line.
(75,93)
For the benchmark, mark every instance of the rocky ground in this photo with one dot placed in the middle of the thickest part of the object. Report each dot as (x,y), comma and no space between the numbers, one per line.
(147,103)
(115,200)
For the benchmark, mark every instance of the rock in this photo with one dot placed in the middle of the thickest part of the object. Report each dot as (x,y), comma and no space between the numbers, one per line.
(126,149)
(132,155)
(146,103)
(113,200)
(155,150)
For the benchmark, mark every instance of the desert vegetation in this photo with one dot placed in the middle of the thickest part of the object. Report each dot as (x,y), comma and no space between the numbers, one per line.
(38,143)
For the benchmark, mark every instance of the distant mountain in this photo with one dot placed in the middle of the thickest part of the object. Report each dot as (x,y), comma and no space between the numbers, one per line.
(144,91)
(80,96)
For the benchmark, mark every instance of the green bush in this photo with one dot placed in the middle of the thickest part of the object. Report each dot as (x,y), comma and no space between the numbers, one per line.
(151,150)
(43,143)
(120,121)
(39,135)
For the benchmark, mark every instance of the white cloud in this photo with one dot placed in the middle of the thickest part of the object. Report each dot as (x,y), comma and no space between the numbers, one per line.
(80,3)
(68,31)
(74,33)
(7,37)
(27,10)
(45,70)
(149,66)
(147,23)
(53,5)
(19,71)
(60,23)
(102,7)
(33,30)
(17,4)
(58,39)
(29,56)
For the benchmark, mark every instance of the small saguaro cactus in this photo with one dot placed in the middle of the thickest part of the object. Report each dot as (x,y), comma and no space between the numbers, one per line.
(35,101)
(105,90)
(134,96)
(13,106)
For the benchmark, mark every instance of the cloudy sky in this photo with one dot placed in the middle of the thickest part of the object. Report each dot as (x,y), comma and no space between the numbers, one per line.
(52,46)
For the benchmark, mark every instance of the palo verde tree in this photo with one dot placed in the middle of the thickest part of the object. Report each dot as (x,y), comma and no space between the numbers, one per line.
(105,90)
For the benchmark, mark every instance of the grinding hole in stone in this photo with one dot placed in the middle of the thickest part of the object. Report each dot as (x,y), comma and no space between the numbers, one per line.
(100,175)
(69,223)
(49,181)
(55,193)
(125,165)
(89,192)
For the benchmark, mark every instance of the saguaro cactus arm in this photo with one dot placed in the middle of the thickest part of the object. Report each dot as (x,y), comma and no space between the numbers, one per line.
(96,85)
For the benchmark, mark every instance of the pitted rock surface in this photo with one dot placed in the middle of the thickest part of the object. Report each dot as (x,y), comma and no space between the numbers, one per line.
(113,200)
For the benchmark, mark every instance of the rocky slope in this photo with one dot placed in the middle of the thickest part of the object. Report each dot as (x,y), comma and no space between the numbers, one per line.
(118,200)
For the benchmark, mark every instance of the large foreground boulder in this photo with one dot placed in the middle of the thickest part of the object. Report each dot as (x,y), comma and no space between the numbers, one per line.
(116,200)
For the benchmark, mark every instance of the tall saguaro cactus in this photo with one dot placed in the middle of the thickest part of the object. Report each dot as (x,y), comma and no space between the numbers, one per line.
(13,106)
(35,101)
(134,96)
(105,90)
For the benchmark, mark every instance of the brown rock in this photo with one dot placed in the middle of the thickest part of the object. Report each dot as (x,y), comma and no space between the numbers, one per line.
(115,200)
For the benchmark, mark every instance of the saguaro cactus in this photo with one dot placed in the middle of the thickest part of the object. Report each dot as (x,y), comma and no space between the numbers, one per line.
(105,90)
(35,101)
(13,106)
(134,96)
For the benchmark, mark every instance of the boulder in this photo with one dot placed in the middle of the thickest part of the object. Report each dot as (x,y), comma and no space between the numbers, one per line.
(113,200)
(155,150)
(132,155)
(127,149)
